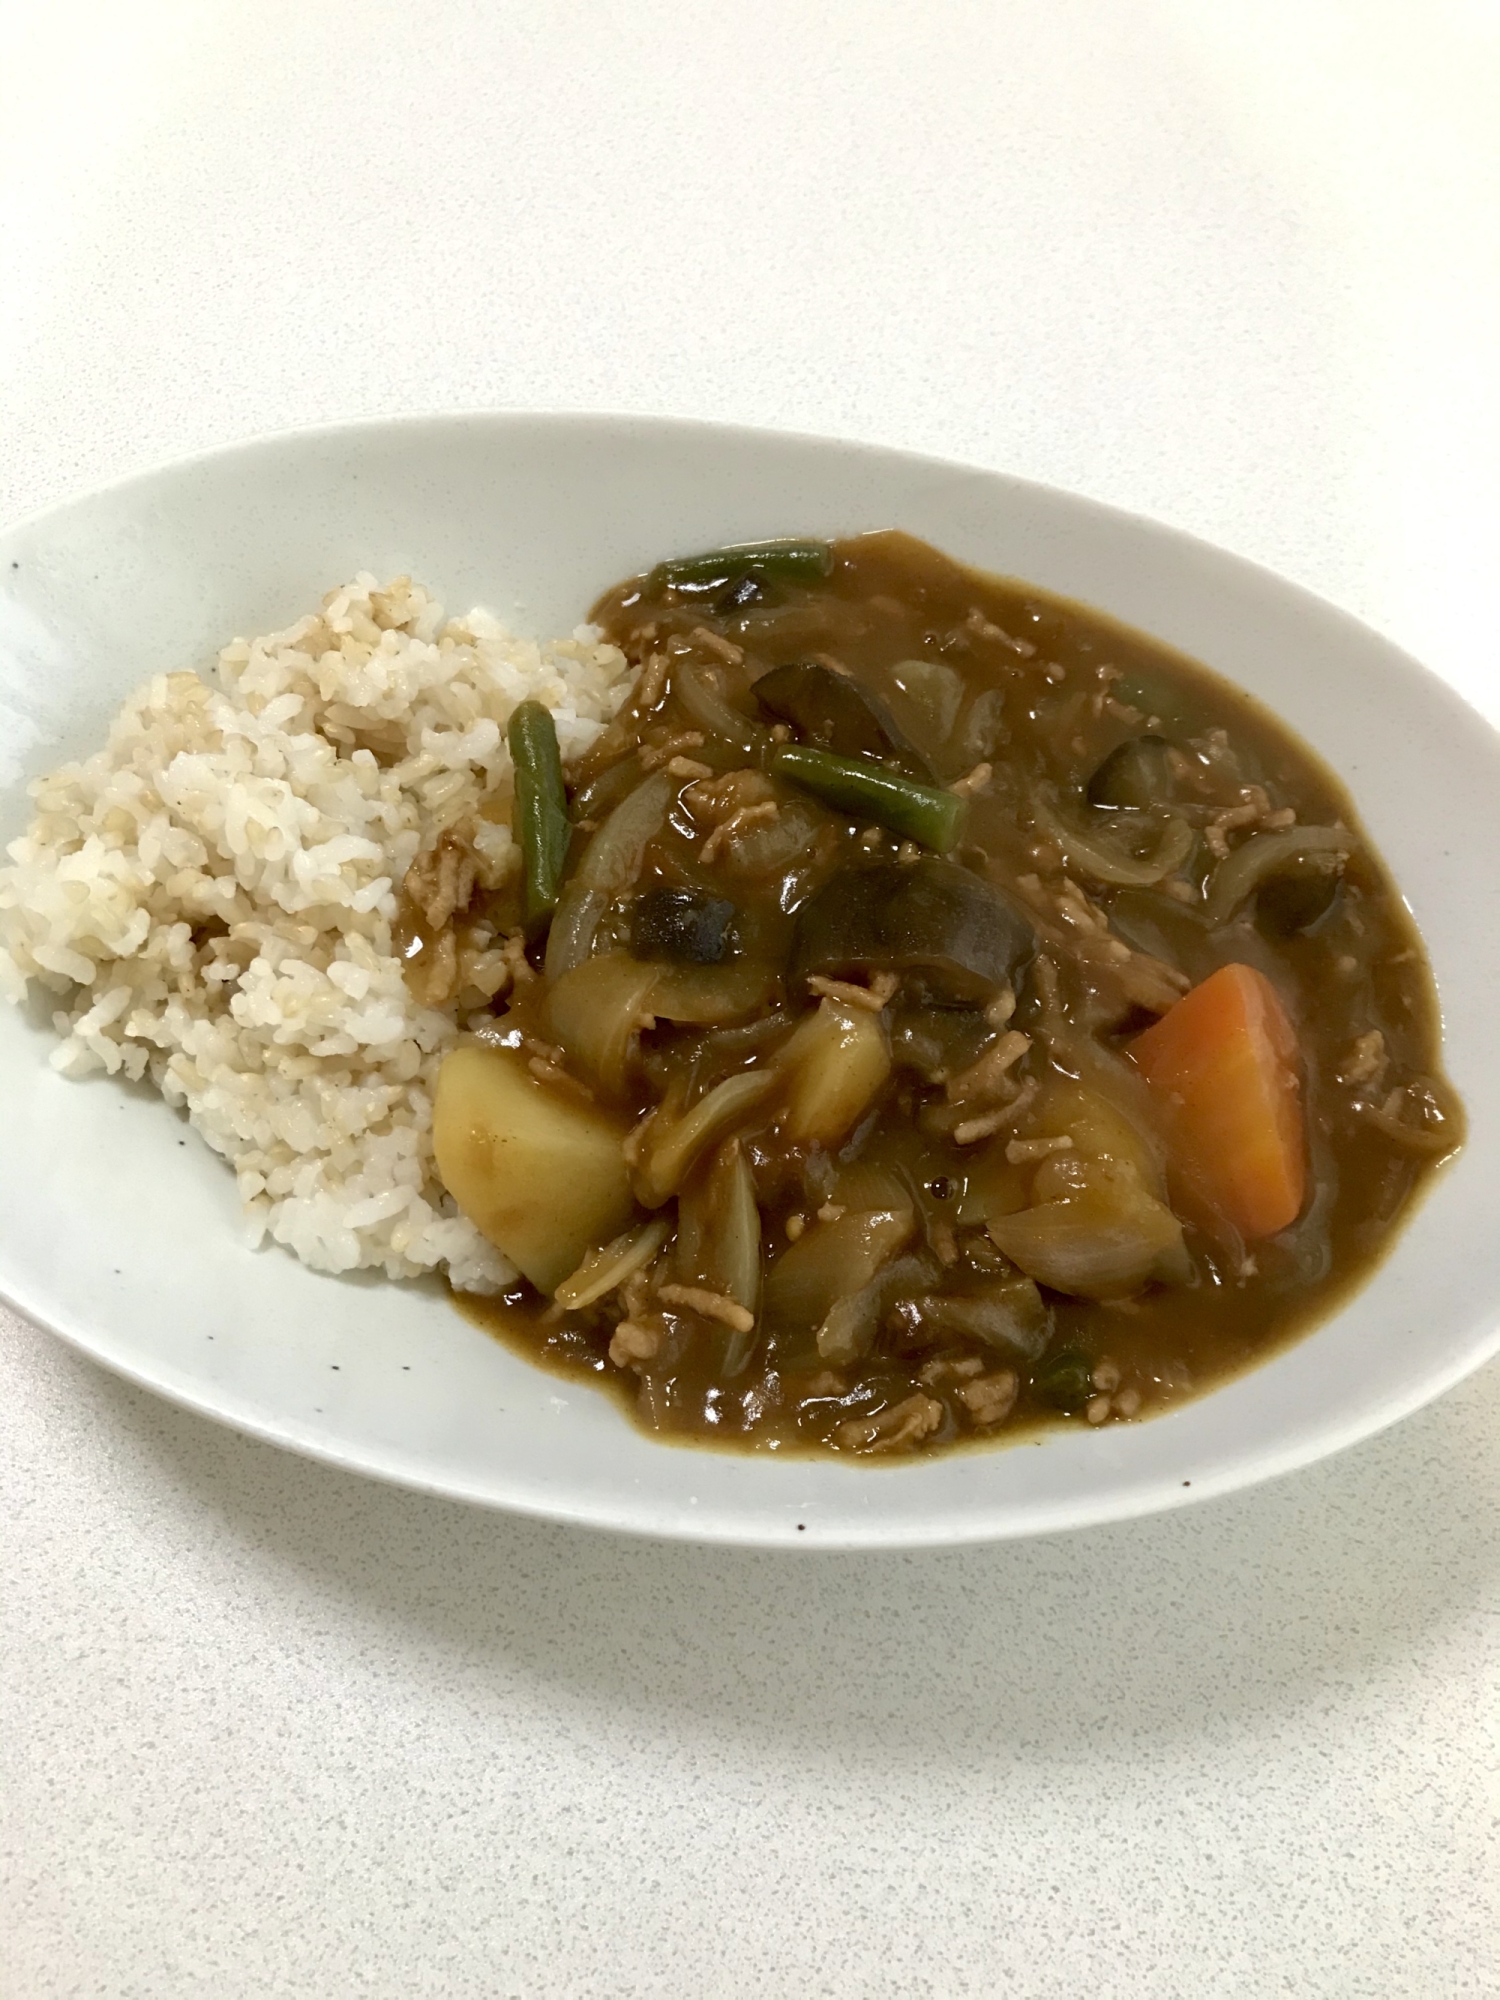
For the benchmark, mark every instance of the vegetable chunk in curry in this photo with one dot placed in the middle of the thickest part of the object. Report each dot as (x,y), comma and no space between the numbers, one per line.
(930,1009)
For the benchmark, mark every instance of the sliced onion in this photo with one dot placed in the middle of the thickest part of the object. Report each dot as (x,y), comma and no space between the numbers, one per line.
(925,697)
(830,1261)
(771,849)
(1108,865)
(726,1048)
(609,789)
(1094,1247)
(718,1229)
(612,1264)
(984,727)
(1439,1137)
(732,1264)
(706,995)
(1261,855)
(669,1153)
(869,1187)
(597,1010)
(595,1013)
(611,862)
(1421,1139)
(708,708)
(848,1332)
(1010,1316)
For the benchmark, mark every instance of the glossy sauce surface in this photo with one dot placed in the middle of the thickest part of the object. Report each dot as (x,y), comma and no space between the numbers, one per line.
(1021,701)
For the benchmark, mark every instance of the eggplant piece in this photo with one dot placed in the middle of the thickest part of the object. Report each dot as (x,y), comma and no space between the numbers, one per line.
(954,936)
(938,1039)
(1264,855)
(686,926)
(1299,895)
(834,712)
(1135,776)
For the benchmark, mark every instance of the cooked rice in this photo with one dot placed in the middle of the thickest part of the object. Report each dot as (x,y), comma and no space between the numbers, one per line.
(212,896)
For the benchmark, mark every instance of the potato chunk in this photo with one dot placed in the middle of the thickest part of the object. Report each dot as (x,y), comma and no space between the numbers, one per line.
(1098,1226)
(839,1061)
(542,1176)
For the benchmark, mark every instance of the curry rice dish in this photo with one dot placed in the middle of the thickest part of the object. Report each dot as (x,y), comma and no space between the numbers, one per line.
(838,1000)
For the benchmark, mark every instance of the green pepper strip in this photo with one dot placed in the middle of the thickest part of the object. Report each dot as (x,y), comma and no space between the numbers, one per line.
(795,561)
(539,816)
(870,791)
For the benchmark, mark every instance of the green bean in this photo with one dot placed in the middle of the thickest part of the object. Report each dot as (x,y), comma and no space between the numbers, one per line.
(793,560)
(1067,1381)
(539,817)
(869,791)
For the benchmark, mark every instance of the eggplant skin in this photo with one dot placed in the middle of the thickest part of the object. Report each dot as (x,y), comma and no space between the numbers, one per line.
(1135,776)
(951,934)
(836,712)
(687,925)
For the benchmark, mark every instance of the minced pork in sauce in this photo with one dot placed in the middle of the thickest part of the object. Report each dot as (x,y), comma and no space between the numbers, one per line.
(936,1010)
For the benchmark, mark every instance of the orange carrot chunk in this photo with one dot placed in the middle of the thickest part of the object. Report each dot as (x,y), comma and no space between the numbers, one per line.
(1224,1061)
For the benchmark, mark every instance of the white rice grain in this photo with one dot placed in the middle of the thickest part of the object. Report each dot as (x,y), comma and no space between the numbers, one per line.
(212,897)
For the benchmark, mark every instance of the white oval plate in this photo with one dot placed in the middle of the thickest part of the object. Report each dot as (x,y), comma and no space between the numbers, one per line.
(121,1231)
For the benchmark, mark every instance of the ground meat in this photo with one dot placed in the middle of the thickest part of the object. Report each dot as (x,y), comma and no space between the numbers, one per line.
(989,1400)
(936,1374)
(653,755)
(440,883)
(633,1343)
(1366,1061)
(711,801)
(987,1080)
(874,998)
(903,1424)
(711,1305)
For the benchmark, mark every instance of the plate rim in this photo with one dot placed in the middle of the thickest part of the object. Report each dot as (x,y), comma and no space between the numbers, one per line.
(1240,1472)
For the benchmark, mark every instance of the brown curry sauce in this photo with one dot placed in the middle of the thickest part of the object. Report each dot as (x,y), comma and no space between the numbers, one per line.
(1041,691)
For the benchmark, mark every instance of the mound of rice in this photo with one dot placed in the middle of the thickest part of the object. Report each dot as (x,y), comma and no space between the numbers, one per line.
(212,897)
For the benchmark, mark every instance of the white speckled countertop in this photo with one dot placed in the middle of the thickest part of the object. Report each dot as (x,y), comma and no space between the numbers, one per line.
(273,1731)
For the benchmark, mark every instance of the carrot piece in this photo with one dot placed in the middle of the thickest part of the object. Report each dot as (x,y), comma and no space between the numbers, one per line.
(1224,1061)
